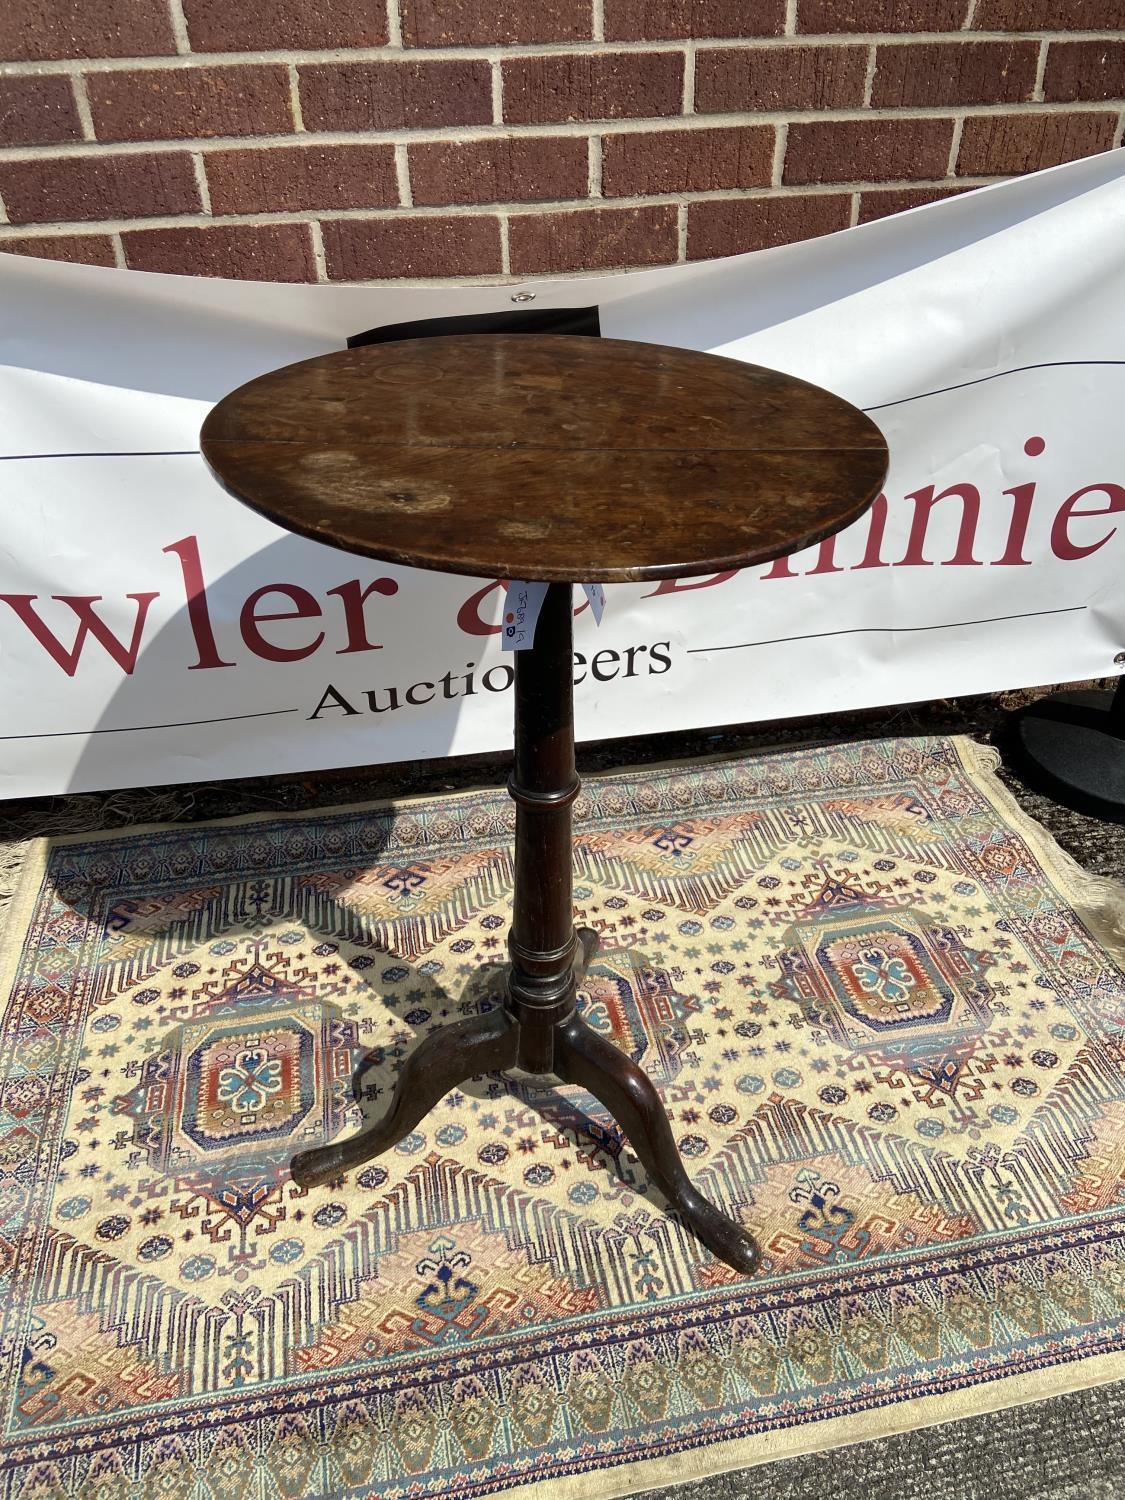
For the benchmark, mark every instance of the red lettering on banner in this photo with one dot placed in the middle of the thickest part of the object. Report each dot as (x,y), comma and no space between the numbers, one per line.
(924,502)
(353,600)
(305,608)
(1070,540)
(469,617)
(89,623)
(199,616)
(1061,545)
(825,559)
(685,585)
(876,527)
(825,563)
(1022,496)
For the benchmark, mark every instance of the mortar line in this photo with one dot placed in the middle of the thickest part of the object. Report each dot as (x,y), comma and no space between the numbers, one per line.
(790,28)
(688,107)
(955,146)
(497,79)
(594,172)
(597,21)
(118,251)
(505,251)
(295,100)
(179,26)
(681,232)
(201,181)
(387,53)
(82,104)
(853,215)
(477,210)
(1040,70)
(317,237)
(481,132)
(869,76)
(492,279)
(394,24)
(489,279)
(402,174)
(780,141)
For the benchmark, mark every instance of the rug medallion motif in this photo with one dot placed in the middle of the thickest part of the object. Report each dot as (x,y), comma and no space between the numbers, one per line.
(886,1040)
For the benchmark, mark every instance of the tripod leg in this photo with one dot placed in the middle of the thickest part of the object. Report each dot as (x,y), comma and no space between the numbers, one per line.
(442,1060)
(587,949)
(585,1058)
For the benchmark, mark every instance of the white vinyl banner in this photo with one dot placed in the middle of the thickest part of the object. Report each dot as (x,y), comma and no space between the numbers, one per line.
(153,630)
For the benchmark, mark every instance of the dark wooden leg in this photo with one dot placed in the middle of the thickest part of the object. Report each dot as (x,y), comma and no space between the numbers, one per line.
(585,1058)
(587,948)
(442,1060)
(543,945)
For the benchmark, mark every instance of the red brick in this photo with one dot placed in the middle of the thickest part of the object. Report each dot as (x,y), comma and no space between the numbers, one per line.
(760,78)
(883,202)
(284,179)
(687,161)
(1001,145)
(240,252)
(654,20)
(181,103)
(536,169)
(70,188)
(867,150)
(922,73)
(426,246)
(1085,70)
(250,26)
(35,30)
(37,110)
(474,23)
(880,15)
(593,86)
(592,239)
(1048,15)
(86,249)
(393,95)
(730,226)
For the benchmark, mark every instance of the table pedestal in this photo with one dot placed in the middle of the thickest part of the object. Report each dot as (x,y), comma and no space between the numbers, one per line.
(538,1028)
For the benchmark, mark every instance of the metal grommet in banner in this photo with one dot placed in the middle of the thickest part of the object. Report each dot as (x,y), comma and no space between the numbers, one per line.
(523,296)
(1119,659)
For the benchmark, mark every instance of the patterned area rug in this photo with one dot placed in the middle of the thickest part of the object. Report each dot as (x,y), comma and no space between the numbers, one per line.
(883,1010)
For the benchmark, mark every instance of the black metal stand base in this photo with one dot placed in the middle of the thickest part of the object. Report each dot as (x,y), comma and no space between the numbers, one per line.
(1071,747)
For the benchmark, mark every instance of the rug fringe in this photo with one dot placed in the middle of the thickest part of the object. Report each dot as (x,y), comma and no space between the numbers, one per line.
(1098,900)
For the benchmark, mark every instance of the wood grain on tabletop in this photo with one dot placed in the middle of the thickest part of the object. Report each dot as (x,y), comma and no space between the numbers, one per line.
(555,458)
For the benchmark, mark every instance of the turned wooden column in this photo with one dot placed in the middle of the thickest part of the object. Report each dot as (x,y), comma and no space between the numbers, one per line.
(542,942)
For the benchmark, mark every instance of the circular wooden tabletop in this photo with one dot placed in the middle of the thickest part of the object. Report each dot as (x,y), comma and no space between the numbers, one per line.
(565,459)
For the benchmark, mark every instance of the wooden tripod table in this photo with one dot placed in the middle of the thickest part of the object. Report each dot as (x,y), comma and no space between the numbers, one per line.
(563,460)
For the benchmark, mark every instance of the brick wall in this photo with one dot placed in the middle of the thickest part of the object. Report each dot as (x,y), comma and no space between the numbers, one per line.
(369,140)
